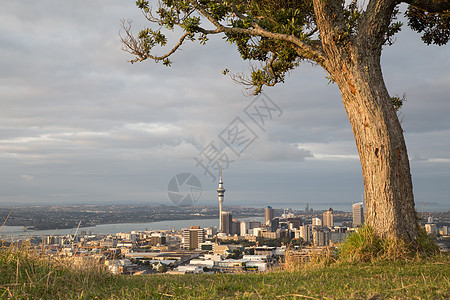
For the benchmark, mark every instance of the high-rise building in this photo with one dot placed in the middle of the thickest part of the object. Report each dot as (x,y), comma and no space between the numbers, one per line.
(220,193)
(430,228)
(328,218)
(244,228)
(305,233)
(269,214)
(321,236)
(226,221)
(235,227)
(445,230)
(211,231)
(157,239)
(294,222)
(192,237)
(358,214)
(253,224)
(274,224)
(307,208)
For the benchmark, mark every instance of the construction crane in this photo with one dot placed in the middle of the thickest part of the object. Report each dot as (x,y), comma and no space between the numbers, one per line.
(76,232)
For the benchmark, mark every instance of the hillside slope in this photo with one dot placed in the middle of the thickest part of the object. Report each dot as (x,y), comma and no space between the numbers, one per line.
(24,277)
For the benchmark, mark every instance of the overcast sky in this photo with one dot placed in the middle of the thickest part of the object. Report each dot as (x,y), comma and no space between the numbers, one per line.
(79,124)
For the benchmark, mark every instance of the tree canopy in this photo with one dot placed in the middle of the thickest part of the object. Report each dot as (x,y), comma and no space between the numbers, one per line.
(279,34)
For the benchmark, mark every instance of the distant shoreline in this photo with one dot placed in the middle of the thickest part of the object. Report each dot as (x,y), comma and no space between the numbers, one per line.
(36,228)
(17,231)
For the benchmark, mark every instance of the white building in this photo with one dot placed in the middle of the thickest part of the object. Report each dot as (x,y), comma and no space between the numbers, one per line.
(316,222)
(244,228)
(303,232)
(431,228)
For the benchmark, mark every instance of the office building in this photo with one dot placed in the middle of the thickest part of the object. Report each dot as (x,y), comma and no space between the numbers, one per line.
(235,227)
(305,233)
(193,237)
(244,228)
(273,224)
(157,239)
(358,214)
(430,228)
(328,218)
(226,221)
(253,224)
(294,222)
(269,214)
(316,222)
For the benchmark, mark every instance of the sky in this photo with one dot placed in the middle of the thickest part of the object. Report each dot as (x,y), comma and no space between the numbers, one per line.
(79,124)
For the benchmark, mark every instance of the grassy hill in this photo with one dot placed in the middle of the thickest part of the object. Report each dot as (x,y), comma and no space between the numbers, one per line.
(23,276)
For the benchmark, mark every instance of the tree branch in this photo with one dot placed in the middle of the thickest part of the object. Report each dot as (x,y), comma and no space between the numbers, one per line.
(375,22)
(308,51)
(136,47)
(433,6)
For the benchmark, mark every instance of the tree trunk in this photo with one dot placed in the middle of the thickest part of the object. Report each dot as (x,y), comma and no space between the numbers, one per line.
(379,138)
(353,60)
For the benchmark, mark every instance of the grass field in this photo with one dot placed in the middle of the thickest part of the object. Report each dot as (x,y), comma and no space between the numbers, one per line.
(23,276)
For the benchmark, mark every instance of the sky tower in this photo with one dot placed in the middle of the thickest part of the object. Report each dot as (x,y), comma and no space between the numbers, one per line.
(220,193)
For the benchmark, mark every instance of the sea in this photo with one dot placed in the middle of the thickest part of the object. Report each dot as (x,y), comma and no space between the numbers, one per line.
(18,232)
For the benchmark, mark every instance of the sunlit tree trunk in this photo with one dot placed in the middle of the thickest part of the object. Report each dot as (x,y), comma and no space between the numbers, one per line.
(353,60)
(381,147)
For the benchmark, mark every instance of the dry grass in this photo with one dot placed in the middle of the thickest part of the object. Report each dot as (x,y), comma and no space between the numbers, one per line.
(365,246)
(27,275)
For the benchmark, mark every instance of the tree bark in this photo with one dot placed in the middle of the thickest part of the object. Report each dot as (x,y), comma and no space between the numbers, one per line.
(382,150)
(354,63)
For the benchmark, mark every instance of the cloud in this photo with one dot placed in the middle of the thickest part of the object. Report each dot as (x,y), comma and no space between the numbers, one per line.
(264,150)
(79,123)
(27,177)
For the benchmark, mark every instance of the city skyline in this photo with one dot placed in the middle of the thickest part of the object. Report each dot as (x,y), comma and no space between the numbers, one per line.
(79,124)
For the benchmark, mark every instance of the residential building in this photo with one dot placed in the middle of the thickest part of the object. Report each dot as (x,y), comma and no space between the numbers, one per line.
(321,236)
